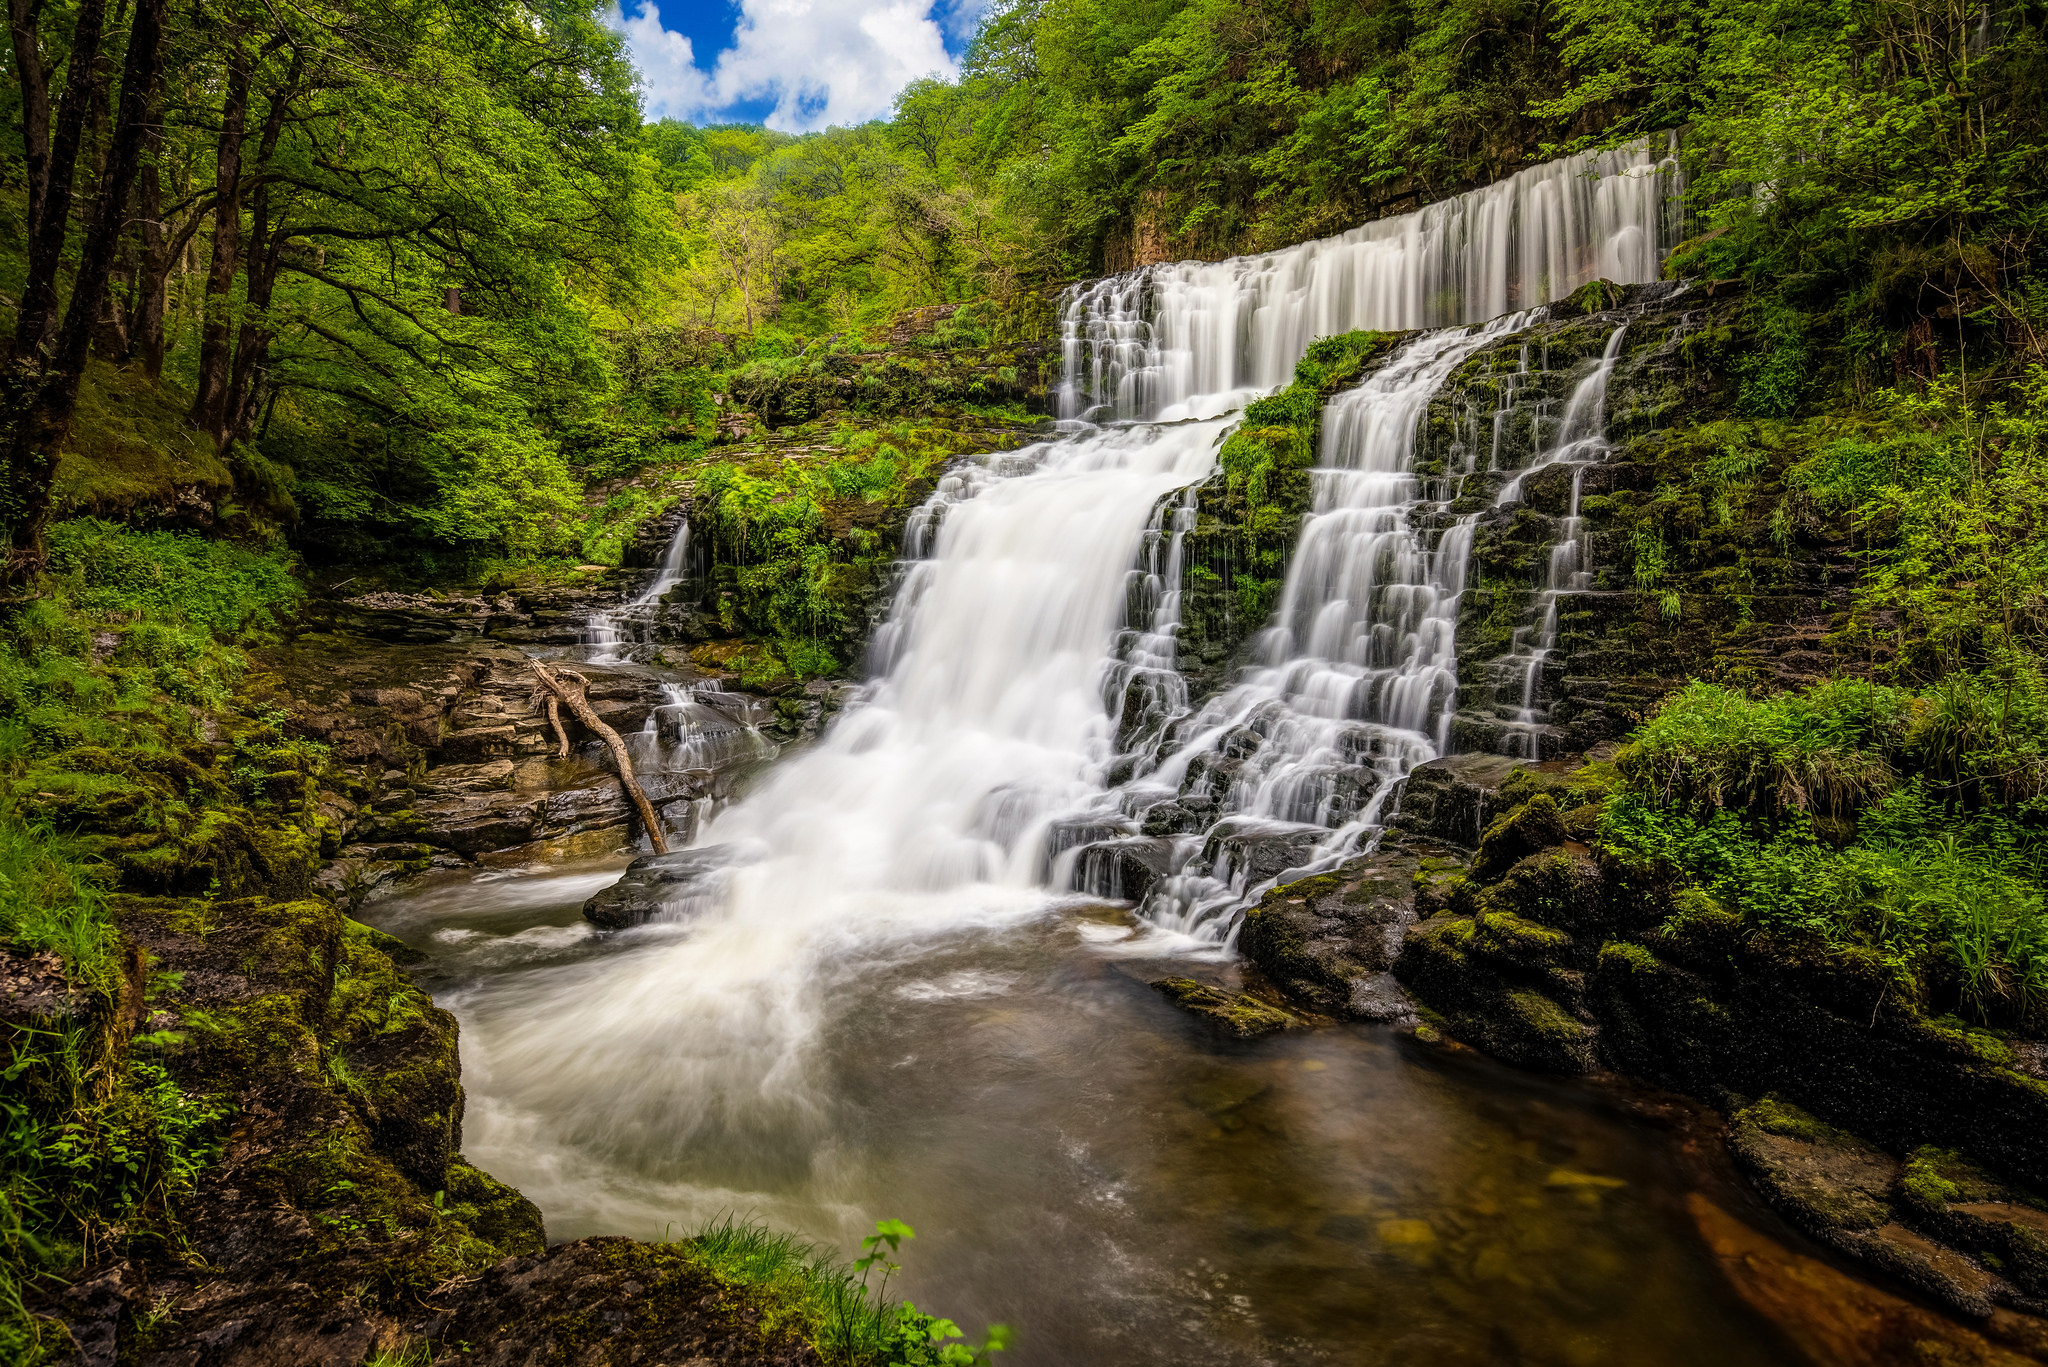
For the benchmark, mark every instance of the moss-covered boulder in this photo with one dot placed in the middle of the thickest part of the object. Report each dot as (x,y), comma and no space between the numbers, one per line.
(1329,941)
(1502,984)
(1239,1013)
(1840,1189)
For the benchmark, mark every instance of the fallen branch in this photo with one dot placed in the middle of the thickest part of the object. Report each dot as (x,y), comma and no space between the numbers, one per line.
(567,688)
(555,721)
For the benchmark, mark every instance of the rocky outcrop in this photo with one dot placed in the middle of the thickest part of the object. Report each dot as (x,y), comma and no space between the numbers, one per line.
(1329,941)
(339,1221)
(1912,1143)
(444,760)
(657,885)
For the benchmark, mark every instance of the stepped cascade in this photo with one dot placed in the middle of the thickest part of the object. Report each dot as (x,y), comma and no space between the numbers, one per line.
(1167,338)
(610,631)
(971,771)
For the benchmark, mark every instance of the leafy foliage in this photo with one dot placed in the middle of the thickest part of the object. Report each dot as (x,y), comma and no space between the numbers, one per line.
(1861,818)
(832,1303)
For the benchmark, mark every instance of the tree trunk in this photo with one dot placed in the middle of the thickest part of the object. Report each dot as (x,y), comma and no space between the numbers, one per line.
(33,446)
(146,287)
(568,687)
(216,335)
(37,321)
(24,22)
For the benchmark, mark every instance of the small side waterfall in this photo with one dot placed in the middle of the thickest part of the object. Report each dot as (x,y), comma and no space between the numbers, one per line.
(1582,441)
(606,634)
(1159,340)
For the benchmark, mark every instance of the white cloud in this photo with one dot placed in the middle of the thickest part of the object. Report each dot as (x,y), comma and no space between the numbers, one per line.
(674,86)
(820,61)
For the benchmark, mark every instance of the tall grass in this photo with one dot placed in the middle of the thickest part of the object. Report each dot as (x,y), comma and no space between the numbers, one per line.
(1859,817)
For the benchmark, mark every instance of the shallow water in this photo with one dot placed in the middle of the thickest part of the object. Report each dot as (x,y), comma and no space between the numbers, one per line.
(1087,1163)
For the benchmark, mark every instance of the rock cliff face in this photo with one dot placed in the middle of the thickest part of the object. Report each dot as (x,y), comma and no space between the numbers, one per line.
(1702,556)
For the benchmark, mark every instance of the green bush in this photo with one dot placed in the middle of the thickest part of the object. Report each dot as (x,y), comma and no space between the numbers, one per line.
(832,1304)
(1861,818)
(170,576)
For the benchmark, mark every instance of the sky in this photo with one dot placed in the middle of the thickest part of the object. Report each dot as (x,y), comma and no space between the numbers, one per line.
(795,65)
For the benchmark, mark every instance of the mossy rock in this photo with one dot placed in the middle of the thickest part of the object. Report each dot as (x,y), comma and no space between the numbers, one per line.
(1958,1202)
(1239,1013)
(1535,825)
(1560,887)
(1499,992)
(1826,1178)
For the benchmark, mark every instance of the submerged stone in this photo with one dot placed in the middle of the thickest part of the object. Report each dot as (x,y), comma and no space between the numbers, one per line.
(1240,1013)
(655,885)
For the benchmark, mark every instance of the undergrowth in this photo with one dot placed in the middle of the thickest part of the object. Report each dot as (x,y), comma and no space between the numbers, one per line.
(124,756)
(1864,819)
(843,1309)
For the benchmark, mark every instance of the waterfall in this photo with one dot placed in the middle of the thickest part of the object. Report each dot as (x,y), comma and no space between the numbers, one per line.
(1581,441)
(1162,339)
(1032,637)
(606,632)
(1357,675)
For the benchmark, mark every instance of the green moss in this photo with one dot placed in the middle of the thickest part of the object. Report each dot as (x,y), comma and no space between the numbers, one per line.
(1625,954)
(1238,1012)
(1775,1115)
(131,448)
(1539,1015)
(1506,934)
(1981,1043)
(1924,1180)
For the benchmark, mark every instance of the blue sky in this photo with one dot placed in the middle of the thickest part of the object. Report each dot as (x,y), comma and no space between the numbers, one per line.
(796,65)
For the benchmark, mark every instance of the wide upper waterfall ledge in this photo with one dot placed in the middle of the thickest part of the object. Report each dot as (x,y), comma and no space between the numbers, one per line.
(1179,338)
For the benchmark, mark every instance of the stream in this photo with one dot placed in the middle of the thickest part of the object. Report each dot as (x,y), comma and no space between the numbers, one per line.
(889,994)
(1086,1162)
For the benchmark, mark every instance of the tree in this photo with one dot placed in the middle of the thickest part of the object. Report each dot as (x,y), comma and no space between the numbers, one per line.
(48,361)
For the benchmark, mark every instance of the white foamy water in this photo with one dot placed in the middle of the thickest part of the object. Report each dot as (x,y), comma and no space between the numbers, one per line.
(682,1072)
(1169,336)
(917,818)
(609,632)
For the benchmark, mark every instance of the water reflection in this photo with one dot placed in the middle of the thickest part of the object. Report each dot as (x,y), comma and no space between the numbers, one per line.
(1086,1162)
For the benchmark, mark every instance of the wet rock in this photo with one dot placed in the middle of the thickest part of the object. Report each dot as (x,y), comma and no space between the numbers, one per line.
(1455,798)
(2001,1225)
(1258,849)
(1170,818)
(1240,1013)
(1329,940)
(656,884)
(604,1301)
(1839,1189)
(1124,869)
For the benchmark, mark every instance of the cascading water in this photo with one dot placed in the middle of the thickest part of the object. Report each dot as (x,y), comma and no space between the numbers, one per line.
(608,631)
(1358,674)
(1164,337)
(1581,441)
(682,1073)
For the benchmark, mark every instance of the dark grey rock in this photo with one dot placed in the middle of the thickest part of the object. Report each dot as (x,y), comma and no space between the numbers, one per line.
(657,884)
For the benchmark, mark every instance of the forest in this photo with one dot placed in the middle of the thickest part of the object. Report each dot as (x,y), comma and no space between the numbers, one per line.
(397,264)
(412,296)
